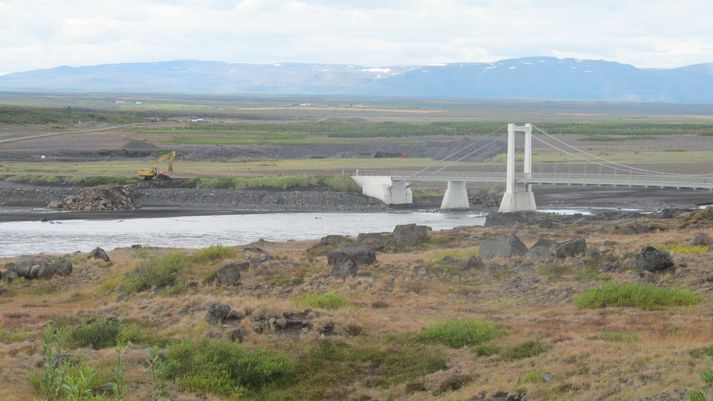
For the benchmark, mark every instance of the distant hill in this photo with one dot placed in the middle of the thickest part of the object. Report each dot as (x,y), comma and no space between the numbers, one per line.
(523,78)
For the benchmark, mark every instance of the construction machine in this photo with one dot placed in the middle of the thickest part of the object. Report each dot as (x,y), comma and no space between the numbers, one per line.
(152,172)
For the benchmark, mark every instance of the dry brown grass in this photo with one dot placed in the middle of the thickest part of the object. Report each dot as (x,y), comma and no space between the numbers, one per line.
(526,305)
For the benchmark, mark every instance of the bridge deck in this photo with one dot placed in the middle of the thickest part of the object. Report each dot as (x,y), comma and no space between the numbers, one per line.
(624,180)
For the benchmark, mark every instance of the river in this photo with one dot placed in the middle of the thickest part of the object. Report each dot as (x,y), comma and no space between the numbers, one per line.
(30,237)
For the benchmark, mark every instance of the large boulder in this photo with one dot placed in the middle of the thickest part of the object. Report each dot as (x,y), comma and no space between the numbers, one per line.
(406,235)
(375,241)
(653,260)
(230,273)
(360,255)
(63,267)
(569,249)
(506,246)
(543,247)
(331,240)
(98,253)
(345,268)
(217,312)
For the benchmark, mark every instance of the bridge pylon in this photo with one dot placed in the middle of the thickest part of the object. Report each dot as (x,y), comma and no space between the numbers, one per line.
(518,198)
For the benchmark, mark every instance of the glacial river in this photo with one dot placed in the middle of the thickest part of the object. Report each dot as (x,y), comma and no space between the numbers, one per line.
(29,237)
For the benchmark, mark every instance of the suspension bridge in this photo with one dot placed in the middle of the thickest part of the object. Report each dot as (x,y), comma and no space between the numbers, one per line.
(580,168)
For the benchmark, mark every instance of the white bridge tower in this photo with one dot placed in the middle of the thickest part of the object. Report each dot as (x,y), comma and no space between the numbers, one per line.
(518,198)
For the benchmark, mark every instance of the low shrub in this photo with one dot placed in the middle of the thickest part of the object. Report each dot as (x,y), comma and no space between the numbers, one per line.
(224,368)
(327,300)
(524,350)
(533,376)
(460,333)
(158,272)
(642,296)
(105,332)
(213,253)
(707,377)
(331,369)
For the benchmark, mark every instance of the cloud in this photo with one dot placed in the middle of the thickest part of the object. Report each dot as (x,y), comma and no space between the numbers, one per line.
(47,33)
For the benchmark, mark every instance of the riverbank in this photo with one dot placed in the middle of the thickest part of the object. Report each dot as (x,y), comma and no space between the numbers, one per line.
(470,313)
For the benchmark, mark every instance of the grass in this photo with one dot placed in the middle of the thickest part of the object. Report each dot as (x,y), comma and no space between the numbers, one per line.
(460,333)
(642,296)
(557,271)
(620,336)
(528,349)
(224,368)
(683,249)
(105,332)
(331,369)
(341,183)
(14,336)
(157,272)
(212,254)
(328,300)
(457,254)
(534,376)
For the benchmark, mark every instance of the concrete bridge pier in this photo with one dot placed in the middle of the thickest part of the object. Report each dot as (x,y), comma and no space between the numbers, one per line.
(518,198)
(456,196)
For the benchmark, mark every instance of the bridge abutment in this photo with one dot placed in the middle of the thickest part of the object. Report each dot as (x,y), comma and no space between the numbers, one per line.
(384,188)
(456,196)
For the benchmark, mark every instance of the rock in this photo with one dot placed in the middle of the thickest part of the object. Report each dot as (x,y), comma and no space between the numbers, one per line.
(652,260)
(230,273)
(102,197)
(407,235)
(375,241)
(237,335)
(543,247)
(63,267)
(254,249)
(331,240)
(345,268)
(34,271)
(593,252)
(136,246)
(506,246)
(46,271)
(217,312)
(98,253)
(505,219)
(701,239)
(360,255)
(506,396)
(473,262)
(571,248)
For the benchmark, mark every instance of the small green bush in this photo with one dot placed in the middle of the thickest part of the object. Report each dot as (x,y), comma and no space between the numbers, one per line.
(533,376)
(213,253)
(524,350)
(707,377)
(328,300)
(105,332)
(460,333)
(159,272)
(224,368)
(634,295)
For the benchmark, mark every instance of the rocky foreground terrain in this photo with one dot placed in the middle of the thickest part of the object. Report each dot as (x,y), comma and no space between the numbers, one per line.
(530,307)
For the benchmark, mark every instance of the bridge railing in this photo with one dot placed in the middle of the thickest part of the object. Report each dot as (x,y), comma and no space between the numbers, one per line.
(623,179)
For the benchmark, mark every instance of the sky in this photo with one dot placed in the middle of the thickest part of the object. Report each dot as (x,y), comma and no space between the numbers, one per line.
(646,33)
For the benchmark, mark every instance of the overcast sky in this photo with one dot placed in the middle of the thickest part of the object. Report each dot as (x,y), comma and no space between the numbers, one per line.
(646,33)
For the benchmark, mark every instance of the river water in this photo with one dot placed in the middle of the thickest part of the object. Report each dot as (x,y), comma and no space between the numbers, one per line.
(30,237)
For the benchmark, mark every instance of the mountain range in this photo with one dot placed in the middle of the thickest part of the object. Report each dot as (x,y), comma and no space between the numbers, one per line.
(521,78)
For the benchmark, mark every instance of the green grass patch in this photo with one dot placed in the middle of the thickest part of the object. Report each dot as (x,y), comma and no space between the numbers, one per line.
(54,180)
(213,253)
(105,332)
(224,368)
(619,336)
(460,333)
(327,300)
(330,369)
(14,336)
(528,349)
(534,376)
(683,249)
(642,296)
(340,183)
(157,272)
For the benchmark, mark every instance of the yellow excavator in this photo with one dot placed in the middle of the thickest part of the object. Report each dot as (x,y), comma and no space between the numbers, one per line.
(152,172)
